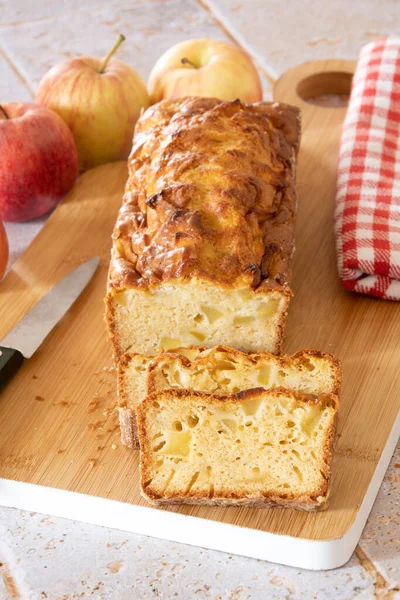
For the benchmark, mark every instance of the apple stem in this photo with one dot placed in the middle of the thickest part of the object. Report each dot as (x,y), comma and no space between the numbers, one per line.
(117,44)
(186,61)
(3,110)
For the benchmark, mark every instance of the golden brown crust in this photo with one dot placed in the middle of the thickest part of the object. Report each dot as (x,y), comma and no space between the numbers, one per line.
(300,358)
(210,195)
(315,501)
(122,365)
(109,319)
(127,425)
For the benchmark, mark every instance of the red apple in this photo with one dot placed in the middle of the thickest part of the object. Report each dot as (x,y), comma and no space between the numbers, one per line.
(207,68)
(38,161)
(100,101)
(3,250)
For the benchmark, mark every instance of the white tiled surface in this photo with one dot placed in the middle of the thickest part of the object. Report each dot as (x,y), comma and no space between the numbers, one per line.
(23,11)
(282,34)
(44,557)
(149,568)
(11,85)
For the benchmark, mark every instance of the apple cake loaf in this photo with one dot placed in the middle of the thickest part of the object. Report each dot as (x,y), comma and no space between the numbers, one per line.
(219,370)
(203,243)
(257,448)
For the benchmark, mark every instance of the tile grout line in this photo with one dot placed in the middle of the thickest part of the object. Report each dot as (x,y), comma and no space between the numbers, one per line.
(382,589)
(208,8)
(15,69)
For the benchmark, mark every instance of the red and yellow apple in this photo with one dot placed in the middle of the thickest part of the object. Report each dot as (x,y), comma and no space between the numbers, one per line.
(100,101)
(38,158)
(3,250)
(207,68)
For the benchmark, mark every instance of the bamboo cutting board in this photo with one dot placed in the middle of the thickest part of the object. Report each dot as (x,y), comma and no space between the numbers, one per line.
(59,433)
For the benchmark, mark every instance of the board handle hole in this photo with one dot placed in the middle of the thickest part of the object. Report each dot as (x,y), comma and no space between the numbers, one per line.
(330,89)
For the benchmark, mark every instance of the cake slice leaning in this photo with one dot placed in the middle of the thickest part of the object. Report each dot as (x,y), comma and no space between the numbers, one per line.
(256,448)
(219,370)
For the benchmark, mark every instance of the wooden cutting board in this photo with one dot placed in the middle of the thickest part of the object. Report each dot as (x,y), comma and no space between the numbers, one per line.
(59,433)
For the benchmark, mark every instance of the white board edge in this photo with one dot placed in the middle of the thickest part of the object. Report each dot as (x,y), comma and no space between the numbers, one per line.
(282,549)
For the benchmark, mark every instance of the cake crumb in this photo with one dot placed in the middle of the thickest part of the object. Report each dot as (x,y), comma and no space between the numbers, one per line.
(64,403)
(397,465)
(92,462)
(34,376)
(115,566)
(93,405)
(60,451)
(39,398)
(100,447)
(108,545)
(112,429)
(96,425)
(114,446)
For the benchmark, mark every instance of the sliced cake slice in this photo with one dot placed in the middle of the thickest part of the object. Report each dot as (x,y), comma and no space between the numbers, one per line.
(219,370)
(256,448)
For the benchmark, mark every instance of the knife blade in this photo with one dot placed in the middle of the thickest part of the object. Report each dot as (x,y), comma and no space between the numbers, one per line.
(28,334)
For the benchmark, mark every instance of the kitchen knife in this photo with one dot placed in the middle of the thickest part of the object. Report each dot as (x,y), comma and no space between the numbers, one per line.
(28,334)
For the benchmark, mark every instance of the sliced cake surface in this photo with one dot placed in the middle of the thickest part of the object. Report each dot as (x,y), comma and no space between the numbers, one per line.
(203,244)
(256,448)
(219,370)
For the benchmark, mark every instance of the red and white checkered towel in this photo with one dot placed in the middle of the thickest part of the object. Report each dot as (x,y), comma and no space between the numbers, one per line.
(367,215)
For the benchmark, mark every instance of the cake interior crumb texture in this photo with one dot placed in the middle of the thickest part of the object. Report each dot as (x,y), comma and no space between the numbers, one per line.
(260,448)
(199,312)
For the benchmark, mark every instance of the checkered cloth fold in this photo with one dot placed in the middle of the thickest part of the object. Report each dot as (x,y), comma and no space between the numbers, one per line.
(367,213)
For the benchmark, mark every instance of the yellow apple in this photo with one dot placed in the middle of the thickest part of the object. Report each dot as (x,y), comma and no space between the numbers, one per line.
(207,68)
(100,101)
